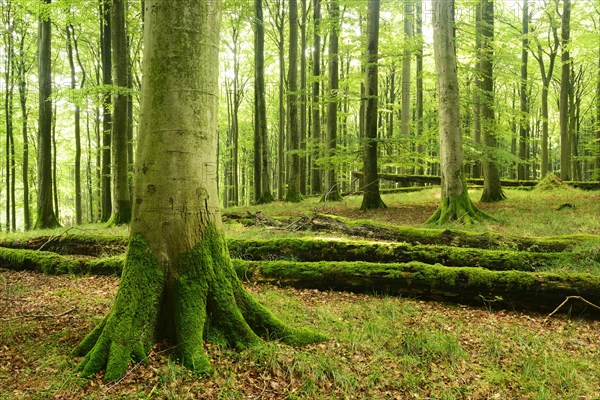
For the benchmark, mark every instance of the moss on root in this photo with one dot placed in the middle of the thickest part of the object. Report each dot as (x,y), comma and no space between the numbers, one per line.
(199,298)
(457,209)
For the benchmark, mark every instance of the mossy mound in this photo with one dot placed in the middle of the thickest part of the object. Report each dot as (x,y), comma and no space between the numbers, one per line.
(551,182)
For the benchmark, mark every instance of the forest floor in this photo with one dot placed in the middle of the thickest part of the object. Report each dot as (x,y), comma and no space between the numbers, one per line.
(379,347)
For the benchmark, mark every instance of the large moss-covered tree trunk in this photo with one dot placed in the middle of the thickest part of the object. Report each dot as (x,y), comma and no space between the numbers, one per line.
(178,283)
(455,204)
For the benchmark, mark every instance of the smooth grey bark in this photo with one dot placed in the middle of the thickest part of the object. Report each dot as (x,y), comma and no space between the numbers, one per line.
(371,197)
(71,43)
(405,112)
(121,200)
(316,99)
(419,86)
(105,51)
(331,191)
(262,178)
(563,102)
(293,182)
(22,83)
(492,189)
(303,98)
(455,203)
(46,217)
(540,53)
(523,168)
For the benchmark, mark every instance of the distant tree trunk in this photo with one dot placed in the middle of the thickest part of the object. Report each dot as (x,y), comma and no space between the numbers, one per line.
(597,167)
(303,97)
(9,79)
(371,197)
(523,168)
(78,209)
(419,88)
(477,92)
(279,23)
(22,83)
(316,103)
(262,178)
(553,45)
(406,64)
(455,203)
(46,217)
(492,190)
(121,201)
(563,104)
(574,98)
(105,50)
(293,182)
(331,191)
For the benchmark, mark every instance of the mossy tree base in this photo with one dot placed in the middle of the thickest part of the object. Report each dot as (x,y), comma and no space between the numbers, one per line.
(492,196)
(266,198)
(205,301)
(372,200)
(457,209)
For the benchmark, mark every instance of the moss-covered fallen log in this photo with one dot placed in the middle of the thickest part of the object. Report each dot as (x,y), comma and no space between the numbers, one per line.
(484,240)
(75,244)
(54,264)
(537,291)
(310,249)
(436,180)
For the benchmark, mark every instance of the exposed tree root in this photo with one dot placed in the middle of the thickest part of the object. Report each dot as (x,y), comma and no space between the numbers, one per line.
(205,301)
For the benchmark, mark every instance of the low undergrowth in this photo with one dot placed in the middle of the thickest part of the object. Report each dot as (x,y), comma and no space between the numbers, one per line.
(379,347)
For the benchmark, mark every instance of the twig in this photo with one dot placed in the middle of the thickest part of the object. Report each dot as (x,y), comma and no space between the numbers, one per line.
(35,316)
(565,301)
(53,237)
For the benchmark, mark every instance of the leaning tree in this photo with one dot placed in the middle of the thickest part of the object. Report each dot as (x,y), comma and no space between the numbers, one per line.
(178,282)
(455,203)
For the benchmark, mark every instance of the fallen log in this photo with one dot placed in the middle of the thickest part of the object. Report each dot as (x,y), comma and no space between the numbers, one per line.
(539,291)
(55,264)
(436,180)
(486,240)
(310,250)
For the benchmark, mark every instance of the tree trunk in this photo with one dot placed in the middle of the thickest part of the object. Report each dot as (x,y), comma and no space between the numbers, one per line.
(597,172)
(279,22)
(316,186)
(121,201)
(455,203)
(22,82)
(46,217)
(371,197)
(303,98)
(563,103)
(262,178)
(105,49)
(406,64)
(492,190)
(293,182)
(178,282)
(331,191)
(477,92)
(78,209)
(419,88)
(9,79)
(523,168)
